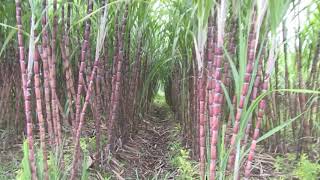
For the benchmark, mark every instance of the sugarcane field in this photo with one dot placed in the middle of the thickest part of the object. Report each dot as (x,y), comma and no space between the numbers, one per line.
(159,89)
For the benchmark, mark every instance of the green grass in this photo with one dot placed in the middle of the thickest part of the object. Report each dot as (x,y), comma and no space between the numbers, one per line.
(8,170)
(180,158)
(303,169)
(55,172)
(306,169)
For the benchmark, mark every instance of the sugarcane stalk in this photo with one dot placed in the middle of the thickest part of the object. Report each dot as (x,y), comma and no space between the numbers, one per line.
(116,84)
(218,93)
(245,88)
(39,113)
(52,65)
(26,87)
(261,110)
(46,73)
(81,82)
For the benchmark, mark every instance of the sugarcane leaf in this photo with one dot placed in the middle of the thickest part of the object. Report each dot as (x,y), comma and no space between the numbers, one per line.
(234,71)
(228,99)
(277,10)
(7,40)
(96,11)
(15,28)
(284,124)
(278,128)
(237,162)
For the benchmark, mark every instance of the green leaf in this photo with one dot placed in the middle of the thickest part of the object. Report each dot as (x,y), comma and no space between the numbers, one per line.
(9,37)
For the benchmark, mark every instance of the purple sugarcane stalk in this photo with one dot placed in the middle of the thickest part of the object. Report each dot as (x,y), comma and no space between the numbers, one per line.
(82,67)
(46,74)
(245,89)
(26,87)
(262,107)
(115,96)
(39,113)
(218,92)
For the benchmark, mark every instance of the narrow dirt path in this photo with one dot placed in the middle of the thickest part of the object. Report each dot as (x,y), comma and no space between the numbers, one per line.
(145,156)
